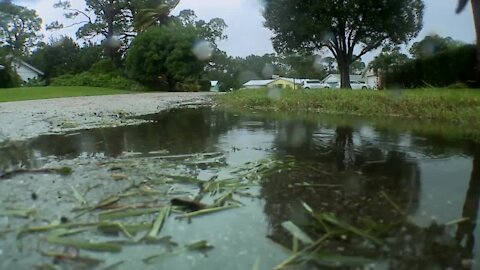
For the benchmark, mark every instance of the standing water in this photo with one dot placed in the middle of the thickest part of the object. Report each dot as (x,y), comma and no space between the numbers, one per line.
(343,195)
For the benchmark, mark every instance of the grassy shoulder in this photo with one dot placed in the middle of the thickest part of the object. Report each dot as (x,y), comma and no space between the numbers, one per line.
(33,93)
(459,106)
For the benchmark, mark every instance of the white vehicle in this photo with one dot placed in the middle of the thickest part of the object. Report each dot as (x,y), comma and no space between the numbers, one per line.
(314,84)
(356,85)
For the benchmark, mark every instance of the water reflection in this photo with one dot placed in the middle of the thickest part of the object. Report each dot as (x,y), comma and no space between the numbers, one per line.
(342,169)
(181,131)
(466,231)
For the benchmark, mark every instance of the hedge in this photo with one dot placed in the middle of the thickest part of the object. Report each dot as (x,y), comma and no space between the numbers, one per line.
(97,80)
(441,70)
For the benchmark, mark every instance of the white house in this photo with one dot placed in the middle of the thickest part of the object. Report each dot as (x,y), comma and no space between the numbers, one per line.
(370,78)
(26,71)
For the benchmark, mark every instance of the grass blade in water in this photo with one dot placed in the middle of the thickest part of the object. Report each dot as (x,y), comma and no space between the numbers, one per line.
(350,228)
(336,261)
(296,232)
(158,223)
(20,213)
(99,247)
(78,196)
(124,213)
(207,211)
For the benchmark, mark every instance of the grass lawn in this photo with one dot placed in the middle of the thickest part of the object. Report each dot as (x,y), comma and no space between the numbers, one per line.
(31,93)
(458,106)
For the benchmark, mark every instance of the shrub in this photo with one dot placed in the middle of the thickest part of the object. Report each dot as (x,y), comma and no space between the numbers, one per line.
(444,69)
(97,80)
(8,77)
(104,66)
(187,87)
(205,85)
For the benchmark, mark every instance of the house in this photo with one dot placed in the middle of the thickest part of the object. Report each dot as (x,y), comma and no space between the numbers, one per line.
(286,83)
(256,84)
(278,82)
(371,78)
(335,78)
(26,71)
(214,86)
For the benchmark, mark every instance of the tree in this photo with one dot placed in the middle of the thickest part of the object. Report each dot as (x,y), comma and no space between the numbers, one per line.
(19,28)
(342,26)
(389,58)
(432,45)
(116,20)
(303,66)
(476,17)
(162,56)
(154,15)
(60,56)
(358,66)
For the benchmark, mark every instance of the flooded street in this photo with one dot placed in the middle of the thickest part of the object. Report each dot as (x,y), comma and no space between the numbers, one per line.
(385,199)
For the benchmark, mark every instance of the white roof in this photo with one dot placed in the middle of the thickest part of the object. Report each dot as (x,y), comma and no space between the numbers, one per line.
(258,82)
(213,83)
(25,64)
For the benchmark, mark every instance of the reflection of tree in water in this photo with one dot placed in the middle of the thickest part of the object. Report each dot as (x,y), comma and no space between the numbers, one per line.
(178,131)
(466,231)
(340,180)
(358,199)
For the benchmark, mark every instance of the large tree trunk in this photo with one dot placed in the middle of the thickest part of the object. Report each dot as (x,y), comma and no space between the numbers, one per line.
(476,18)
(344,69)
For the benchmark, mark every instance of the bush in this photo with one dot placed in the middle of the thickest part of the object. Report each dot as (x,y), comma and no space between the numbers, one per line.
(444,69)
(104,66)
(8,77)
(97,80)
(205,85)
(187,87)
(34,83)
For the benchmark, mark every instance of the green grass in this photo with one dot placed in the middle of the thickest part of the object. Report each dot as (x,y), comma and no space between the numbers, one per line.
(458,106)
(32,93)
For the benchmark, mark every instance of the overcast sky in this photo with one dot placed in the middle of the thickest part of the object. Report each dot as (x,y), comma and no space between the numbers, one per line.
(245,22)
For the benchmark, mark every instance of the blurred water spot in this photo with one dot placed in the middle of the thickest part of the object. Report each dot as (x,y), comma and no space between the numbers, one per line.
(246,76)
(318,64)
(268,71)
(202,50)
(274,93)
(113,43)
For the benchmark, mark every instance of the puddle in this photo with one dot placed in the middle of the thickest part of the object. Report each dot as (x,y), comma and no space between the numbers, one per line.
(358,172)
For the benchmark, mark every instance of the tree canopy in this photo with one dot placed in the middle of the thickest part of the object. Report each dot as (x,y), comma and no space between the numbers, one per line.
(347,28)
(432,45)
(19,27)
(163,56)
(389,57)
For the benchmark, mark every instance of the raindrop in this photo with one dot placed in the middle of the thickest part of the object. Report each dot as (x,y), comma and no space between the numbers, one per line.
(268,71)
(113,43)
(203,50)
(246,76)
(274,93)
(318,64)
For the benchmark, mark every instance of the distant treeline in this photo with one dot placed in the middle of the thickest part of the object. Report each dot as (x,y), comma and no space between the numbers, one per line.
(452,67)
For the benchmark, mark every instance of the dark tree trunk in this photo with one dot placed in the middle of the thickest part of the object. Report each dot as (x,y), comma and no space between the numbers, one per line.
(344,69)
(476,18)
